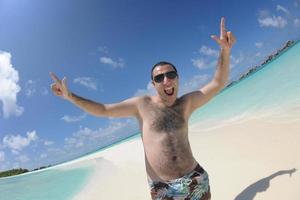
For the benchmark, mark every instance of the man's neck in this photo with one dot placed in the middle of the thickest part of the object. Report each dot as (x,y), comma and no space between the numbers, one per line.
(166,102)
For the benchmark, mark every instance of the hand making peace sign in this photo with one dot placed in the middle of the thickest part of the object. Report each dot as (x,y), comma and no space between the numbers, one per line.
(59,87)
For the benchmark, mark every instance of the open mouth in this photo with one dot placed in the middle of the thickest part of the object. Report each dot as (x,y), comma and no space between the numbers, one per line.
(169,91)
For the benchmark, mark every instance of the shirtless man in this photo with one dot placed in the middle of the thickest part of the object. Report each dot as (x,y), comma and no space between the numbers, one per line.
(173,172)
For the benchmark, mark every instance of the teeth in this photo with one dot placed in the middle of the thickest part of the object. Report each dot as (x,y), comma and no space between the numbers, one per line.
(169,91)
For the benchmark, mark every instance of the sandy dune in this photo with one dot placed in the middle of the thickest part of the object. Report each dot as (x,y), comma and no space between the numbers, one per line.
(247,160)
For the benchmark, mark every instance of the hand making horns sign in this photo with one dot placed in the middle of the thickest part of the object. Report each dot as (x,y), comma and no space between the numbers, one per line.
(226,39)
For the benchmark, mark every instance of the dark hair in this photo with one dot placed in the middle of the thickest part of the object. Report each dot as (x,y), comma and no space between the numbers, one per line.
(162,63)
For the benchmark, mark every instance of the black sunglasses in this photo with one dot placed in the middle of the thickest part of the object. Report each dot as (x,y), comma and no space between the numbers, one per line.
(170,75)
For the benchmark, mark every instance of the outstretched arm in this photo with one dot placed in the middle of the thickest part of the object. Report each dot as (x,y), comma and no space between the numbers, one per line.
(203,95)
(123,109)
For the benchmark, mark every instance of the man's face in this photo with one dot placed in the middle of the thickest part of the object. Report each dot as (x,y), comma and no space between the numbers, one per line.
(168,87)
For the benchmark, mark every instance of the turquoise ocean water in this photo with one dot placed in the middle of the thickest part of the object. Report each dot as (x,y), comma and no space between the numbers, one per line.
(51,184)
(270,91)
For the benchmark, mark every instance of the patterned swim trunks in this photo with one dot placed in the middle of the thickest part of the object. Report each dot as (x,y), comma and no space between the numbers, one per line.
(193,186)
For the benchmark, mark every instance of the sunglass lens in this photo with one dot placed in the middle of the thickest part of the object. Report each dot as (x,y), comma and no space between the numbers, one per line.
(171,75)
(159,78)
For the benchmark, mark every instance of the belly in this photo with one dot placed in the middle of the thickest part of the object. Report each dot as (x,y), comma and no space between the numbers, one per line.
(168,155)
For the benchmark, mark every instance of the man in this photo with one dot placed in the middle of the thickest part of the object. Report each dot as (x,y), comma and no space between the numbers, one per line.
(172,171)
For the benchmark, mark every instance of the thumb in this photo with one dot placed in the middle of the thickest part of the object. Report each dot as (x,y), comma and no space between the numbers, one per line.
(214,37)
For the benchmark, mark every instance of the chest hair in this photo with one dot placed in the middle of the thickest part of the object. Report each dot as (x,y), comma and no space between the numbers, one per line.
(168,119)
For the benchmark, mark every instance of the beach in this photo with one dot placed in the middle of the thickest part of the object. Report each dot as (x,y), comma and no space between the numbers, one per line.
(83,82)
(245,159)
(247,139)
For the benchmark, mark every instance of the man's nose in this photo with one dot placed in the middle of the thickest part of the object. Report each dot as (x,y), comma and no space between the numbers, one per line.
(166,79)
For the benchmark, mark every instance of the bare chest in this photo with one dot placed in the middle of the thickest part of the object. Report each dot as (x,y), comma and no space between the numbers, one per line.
(163,119)
(165,129)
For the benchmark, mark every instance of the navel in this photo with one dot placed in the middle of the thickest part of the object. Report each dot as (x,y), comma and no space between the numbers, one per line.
(174,158)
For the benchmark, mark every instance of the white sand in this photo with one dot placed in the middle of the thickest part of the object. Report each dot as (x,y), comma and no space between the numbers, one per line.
(240,159)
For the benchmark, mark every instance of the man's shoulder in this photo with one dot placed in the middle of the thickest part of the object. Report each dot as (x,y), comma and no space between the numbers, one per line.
(186,99)
(190,95)
(142,99)
(145,99)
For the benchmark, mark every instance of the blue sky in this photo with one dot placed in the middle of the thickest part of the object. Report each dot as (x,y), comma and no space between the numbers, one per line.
(106,49)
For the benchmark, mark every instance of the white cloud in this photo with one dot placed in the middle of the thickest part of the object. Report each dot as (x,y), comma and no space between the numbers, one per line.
(200,63)
(22,158)
(264,13)
(69,119)
(30,88)
(88,138)
(114,63)
(32,135)
(259,44)
(9,78)
(43,155)
(274,21)
(297,23)
(87,82)
(283,9)
(236,60)
(194,83)
(2,156)
(150,90)
(16,142)
(15,152)
(103,49)
(205,50)
(80,137)
(48,142)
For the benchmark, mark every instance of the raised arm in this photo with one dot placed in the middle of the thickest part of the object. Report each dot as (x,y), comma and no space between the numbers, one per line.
(203,95)
(123,109)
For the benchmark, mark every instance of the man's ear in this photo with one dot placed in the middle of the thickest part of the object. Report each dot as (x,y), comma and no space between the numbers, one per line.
(153,83)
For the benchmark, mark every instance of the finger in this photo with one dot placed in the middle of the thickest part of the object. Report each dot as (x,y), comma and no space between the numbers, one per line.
(64,82)
(214,37)
(52,87)
(54,77)
(231,37)
(222,28)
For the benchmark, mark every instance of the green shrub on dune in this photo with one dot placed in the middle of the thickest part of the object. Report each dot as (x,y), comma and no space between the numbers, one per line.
(13,172)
